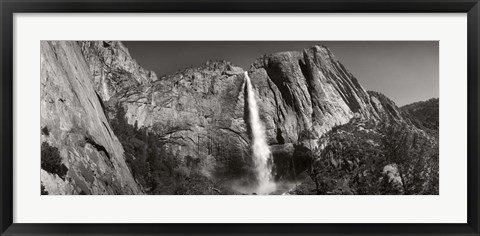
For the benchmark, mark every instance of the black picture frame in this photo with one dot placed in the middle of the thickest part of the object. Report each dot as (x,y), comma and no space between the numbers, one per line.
(9,7)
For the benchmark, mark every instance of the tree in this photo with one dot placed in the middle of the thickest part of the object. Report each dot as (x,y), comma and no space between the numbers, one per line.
(308,156)
(416,157)
(51,161)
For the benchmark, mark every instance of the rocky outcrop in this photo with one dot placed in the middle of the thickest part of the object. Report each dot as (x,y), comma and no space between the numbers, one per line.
(386,108)
(307,92)
(73,121)
(112,68)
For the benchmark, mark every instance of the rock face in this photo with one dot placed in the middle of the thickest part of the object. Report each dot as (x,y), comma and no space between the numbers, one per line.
(198,112)
(73,121)
(113,69)
(386,108)
(307,92)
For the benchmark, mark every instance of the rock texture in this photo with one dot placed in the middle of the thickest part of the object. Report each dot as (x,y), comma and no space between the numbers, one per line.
(307,91)
(386,108)
(73,121)
(113,69)
(198,112)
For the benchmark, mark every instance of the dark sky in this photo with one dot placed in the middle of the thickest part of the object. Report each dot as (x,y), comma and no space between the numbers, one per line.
(406,71)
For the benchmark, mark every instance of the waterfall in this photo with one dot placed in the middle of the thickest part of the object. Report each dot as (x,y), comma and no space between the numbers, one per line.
(261,151)
(105,88)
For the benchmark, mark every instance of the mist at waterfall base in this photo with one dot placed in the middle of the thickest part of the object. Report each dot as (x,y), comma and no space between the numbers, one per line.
(262,157)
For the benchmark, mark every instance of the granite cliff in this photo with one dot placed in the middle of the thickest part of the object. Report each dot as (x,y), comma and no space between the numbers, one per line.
(73,123)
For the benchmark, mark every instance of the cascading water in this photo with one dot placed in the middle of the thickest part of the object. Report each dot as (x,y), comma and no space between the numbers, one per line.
(261,151)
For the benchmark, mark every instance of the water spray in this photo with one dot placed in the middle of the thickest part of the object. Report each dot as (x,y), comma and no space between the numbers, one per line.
(261,152)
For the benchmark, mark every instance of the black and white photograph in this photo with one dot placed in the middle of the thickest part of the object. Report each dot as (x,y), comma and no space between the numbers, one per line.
(239,117)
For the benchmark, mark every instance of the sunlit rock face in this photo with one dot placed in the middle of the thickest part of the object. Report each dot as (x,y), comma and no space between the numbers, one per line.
(304,94)
(73,121)
(386,108)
